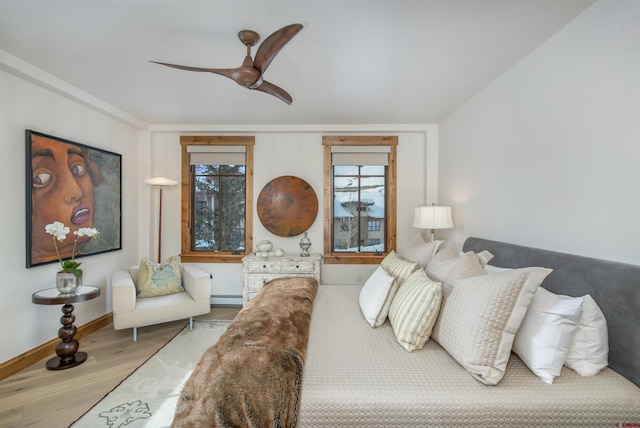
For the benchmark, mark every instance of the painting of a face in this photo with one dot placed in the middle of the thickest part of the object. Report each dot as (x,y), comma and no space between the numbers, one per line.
(62,191)
(63,182)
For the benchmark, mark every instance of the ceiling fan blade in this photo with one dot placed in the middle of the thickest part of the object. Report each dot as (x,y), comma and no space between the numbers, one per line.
(276,91)
(227,72)
(272,45)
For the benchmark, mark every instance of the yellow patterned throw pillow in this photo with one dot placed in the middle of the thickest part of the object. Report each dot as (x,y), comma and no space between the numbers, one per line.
(159,279)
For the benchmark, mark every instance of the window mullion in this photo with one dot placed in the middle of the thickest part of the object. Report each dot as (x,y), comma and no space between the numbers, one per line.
(359,210)
(221,203)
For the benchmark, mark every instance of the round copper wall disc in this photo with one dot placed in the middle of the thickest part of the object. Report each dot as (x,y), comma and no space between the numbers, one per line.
(287,206)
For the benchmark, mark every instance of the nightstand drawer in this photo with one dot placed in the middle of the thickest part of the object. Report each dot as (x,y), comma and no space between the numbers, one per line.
(257,281)
(263,266)
(297,267)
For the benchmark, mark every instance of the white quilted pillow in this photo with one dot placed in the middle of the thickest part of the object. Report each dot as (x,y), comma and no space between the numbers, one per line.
(439,270)
(376,296)
(544,338)
(420,251)
(414,310)
(466,266)
(479,319)
(448,269)
(484,256)
(493,269)
(445,253)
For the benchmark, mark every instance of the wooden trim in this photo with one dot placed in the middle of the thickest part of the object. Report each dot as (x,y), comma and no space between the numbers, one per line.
(217,140)
(186,254)
(352,259)
(185,236)
(218,258)
(249,200)
(45,350)
(327,200)
(360,140)
(392,199)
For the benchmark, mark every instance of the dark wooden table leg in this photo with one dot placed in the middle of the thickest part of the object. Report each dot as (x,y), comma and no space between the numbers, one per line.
(67,349)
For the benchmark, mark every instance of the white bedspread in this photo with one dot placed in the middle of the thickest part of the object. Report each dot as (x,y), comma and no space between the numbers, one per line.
(357,376)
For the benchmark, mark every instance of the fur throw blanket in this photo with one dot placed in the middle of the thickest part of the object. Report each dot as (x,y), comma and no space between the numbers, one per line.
(252,377)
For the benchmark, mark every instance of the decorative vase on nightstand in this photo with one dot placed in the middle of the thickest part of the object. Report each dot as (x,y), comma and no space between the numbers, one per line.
(305,243)
(264,246)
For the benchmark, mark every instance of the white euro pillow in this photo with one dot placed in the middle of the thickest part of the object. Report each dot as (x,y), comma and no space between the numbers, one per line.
(589,352)
(376,296)
(545,335)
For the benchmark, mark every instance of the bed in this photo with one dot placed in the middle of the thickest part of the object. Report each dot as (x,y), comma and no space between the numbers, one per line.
(358,376)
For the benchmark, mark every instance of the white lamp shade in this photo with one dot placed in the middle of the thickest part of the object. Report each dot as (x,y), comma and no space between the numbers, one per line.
(433,217)
(160,181)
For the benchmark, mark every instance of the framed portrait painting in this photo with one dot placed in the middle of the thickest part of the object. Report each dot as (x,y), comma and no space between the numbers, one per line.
(77,185)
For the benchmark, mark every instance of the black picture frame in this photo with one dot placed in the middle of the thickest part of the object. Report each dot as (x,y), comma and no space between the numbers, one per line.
(76,184)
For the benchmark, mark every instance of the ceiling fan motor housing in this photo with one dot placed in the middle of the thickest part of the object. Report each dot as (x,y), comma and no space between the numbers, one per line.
(250,73)
(248,37)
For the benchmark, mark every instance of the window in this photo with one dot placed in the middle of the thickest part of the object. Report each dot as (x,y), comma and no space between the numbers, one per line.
(360,182)
(216,198)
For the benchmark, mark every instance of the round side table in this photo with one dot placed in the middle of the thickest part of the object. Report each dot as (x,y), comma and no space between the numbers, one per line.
(67,349)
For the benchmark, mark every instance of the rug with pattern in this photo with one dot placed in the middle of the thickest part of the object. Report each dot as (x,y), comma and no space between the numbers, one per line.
(147,398)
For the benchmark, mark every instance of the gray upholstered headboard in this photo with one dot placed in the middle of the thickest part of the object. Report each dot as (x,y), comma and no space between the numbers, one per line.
(614,286)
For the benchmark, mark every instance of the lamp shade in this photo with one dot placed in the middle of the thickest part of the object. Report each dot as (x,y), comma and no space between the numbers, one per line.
(433,217)
(160,181)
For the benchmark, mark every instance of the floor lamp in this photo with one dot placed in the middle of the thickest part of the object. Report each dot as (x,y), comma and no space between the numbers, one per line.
(160,182)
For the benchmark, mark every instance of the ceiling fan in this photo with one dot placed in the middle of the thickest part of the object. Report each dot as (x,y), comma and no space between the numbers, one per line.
(250,73)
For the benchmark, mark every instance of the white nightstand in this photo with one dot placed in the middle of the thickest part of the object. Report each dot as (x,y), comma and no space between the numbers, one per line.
(257,271)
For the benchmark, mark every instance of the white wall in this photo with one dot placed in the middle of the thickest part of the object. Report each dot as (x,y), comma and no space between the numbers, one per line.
(548,155)
(297,151)
(25,105)
(32,99)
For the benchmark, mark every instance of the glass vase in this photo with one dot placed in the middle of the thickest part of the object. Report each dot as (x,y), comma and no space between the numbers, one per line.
(66,282)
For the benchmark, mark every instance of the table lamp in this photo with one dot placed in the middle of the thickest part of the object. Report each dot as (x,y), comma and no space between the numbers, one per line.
(432,217)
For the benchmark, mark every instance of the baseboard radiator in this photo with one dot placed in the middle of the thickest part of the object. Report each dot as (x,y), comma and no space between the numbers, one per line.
(232,300)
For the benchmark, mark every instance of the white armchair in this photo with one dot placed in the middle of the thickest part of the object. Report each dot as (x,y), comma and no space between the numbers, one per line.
(130,311)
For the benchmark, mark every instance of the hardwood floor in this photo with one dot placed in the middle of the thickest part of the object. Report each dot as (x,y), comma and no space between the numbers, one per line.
(37,397)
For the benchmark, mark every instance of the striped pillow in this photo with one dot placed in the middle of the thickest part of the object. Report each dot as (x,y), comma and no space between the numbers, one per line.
(398,268)
(414,310)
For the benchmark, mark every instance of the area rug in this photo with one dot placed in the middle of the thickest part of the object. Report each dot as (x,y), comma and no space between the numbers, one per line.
(147,398)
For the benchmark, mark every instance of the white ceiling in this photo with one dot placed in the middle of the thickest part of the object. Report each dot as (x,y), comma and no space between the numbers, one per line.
(354,62)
